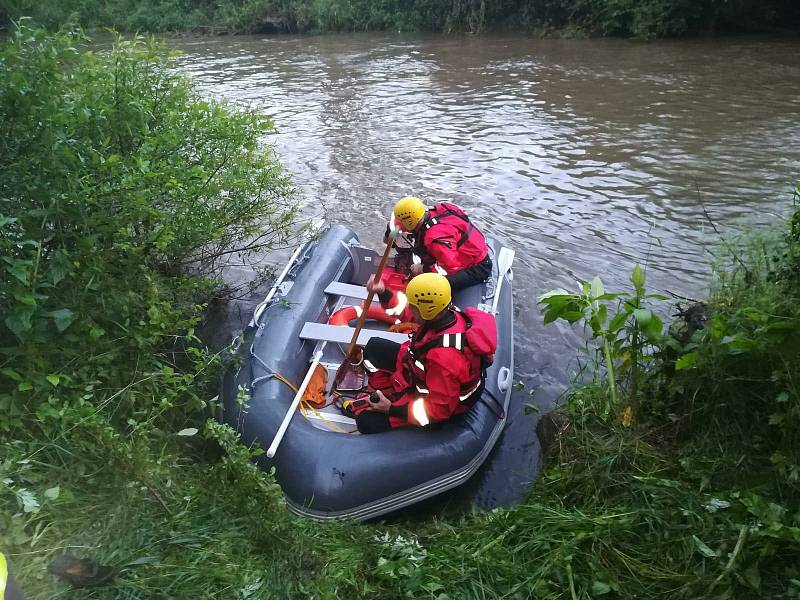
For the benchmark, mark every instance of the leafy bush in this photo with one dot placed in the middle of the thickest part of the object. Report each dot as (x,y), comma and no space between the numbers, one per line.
(625,337)
(116,181)
(738,385)
(122,195)
(710,468)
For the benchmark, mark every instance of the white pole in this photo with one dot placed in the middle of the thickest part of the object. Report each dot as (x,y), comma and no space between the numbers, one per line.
(293,407)
(260,308)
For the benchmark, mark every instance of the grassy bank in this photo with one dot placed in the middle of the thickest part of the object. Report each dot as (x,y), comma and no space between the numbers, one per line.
(638,18)
(673,471)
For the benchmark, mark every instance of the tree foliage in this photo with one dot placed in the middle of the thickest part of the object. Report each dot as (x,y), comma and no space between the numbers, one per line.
(640,18)
(122,193)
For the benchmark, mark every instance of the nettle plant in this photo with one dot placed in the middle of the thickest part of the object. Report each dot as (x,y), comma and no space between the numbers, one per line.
(625,330)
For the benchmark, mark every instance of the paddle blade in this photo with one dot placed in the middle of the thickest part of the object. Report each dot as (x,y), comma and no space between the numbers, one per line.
(505,259)
(349,377)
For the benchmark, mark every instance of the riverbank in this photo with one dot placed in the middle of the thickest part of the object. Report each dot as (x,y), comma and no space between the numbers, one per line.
(107,392)
(643,19)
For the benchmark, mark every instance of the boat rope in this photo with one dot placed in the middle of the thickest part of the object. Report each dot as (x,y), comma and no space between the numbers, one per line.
(305,406)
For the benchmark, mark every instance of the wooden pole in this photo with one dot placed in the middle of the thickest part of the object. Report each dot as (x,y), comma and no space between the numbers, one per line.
(368,302)
(370,295)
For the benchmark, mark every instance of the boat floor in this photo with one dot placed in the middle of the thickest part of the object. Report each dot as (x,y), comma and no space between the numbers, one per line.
(329,417)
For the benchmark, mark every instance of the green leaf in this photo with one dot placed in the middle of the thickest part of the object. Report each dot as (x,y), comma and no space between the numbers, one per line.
(602,314)
(600,588)
(597,288)
(608,297)
(654,328)
(551,315)
(739,344)
(18,269)
(59,268)
(25,298)
(552,294)
(637,278)
(618,321)
(643,316)
(687,361)
(52,493)
(12,374)
(62,317)
(776,418)
(53,379)
(703,548)
(27,500)
(19,321)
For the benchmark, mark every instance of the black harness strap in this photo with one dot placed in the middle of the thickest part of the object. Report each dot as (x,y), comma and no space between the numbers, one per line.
(457,341)
(431,221)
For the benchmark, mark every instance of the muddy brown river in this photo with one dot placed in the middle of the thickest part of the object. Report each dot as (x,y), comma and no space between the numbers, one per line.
(585,156)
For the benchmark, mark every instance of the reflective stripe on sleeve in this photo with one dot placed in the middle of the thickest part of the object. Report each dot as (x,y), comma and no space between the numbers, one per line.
(419,365)
(418,410)
(402,302)
(369,366)
(393,223)
(463,397)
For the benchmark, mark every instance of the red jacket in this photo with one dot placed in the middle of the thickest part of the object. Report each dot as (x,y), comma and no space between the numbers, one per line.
(435,376)
(447,239)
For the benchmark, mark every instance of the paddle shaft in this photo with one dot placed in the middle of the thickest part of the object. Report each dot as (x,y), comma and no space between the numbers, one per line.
(368,302)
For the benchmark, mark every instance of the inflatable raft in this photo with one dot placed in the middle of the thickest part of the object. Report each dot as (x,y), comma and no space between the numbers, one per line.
(326,469)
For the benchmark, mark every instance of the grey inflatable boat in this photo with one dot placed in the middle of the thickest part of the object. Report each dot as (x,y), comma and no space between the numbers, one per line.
(326,469)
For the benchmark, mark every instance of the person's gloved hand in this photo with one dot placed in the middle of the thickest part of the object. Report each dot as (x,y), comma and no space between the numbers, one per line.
(378,402)
(376,287)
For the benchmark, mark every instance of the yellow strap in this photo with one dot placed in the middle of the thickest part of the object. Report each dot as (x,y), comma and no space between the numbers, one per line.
(308,406)
(303,405)
(3,576)
(283,379)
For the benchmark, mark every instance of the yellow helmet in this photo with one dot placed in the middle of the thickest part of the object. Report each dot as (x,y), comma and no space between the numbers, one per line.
(430,294)
(409,211)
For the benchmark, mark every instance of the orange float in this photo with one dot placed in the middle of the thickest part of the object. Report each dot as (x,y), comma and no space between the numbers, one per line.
(344,315)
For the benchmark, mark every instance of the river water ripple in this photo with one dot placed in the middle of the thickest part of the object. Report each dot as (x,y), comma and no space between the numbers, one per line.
(586,156)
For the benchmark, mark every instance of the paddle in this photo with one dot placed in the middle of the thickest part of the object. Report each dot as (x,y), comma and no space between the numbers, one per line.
(368,302)
(504,260)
